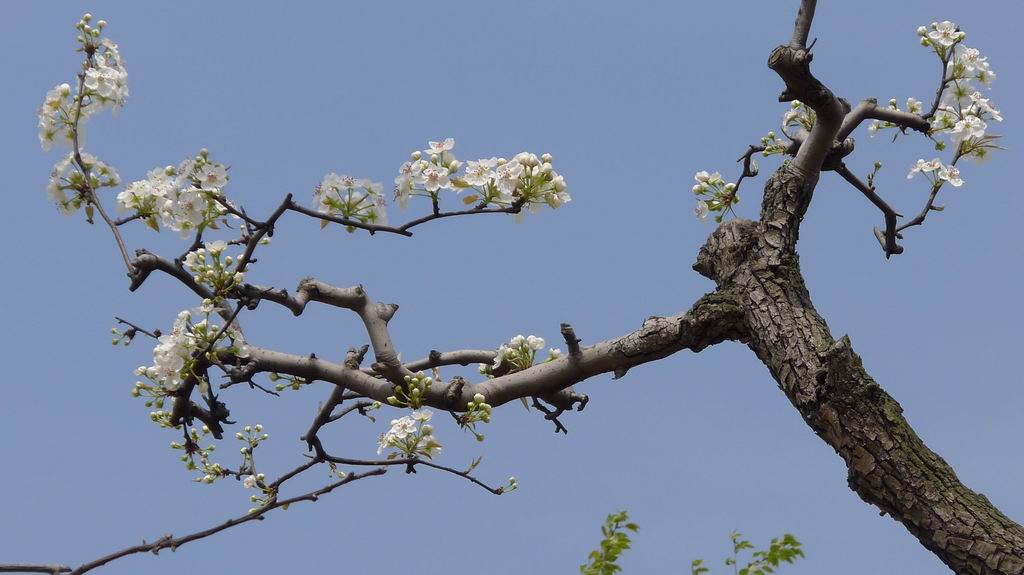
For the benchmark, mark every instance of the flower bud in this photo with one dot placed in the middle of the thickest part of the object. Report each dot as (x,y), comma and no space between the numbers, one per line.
(416,155)
(922,31)
(546,158)
(102,24)
(479,398)
(86,17)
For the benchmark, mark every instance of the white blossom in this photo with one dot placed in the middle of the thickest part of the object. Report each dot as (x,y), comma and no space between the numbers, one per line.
(213,176)
(922,166)
(968,127)
(945,34)
(952,175)
(480,172)
(433,178)
(507,177)
(981,105)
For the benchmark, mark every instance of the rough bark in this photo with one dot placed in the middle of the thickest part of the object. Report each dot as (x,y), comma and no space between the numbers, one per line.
(889,466)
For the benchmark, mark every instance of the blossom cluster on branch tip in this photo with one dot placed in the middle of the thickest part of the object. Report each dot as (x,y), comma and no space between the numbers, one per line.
(253,436)
(211,471)
(352,198)
(962,113)
(799,116)
(518,354)
(526,181)
(410,436)
(937,172)
(716,195)
(477,411)
(176,354)
(412,391)
(67,176)
(210,269)
(294,382)
(184,198)
(103,81)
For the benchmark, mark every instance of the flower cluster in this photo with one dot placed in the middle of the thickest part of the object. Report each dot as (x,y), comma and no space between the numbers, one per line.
(716,195)
(963,113)
(211,471)
(294,382)
(67,176)
(477,411)
(175,354)
(183,198)
(104,83)
(516,355)
(411,393)
(798,116)
(410,436)
(772,145)
(351,198)
(525,181)
(208,268)
(937,172)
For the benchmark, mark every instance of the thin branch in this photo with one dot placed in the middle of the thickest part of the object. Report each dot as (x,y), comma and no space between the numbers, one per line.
(87,178)
(888,240)
(929,205)
(946,79)
(513,209)
(132,327)
(172,543)
(870,110)
(802,27)
(410,464)
(359,406)
(25,568)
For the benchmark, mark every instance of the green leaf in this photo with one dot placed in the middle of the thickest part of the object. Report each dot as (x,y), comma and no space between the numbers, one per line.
(323,223)
(470,199)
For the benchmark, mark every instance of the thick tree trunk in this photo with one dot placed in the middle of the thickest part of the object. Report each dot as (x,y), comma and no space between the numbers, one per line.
(889,466)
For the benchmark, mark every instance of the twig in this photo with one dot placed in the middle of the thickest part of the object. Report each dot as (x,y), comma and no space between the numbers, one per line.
(888,240)
(172,543)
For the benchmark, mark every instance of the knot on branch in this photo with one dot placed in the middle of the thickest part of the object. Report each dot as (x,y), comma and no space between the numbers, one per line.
(453,393)
(793,65)
(729,246)
(562,401)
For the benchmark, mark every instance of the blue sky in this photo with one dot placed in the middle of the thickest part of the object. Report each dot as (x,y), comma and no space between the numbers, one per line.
(631,99)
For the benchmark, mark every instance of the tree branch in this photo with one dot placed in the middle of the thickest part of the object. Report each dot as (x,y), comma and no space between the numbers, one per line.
(172,543)
(888,239)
